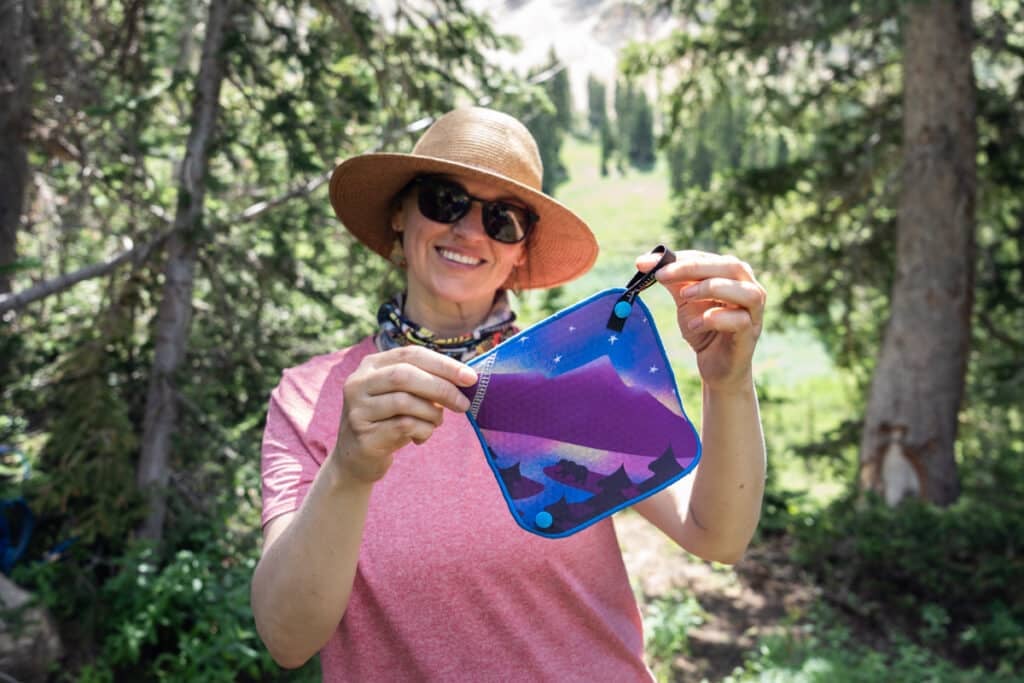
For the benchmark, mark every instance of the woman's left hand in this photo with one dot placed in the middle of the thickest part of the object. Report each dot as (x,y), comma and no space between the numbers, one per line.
(720,309)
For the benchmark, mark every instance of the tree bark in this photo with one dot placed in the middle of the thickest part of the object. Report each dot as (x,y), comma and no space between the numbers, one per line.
(15,94)
(175,314)
(907,447)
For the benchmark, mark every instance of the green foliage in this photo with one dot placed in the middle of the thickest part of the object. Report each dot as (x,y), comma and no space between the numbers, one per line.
(545,108)
(597,103)
(667,622)
(186,620)
(558,90)
(798,109)
(950,574)
(634,126)
(641,134)
(597,117)
(277,280)
(791,166)
(607,147)
(83,482)
(823,650)
(183,618)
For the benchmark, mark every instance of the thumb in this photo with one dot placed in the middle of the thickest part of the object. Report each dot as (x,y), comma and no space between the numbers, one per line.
(647,261)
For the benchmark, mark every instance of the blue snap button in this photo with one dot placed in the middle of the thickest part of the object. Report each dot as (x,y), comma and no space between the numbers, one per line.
(622,309)
(543,518)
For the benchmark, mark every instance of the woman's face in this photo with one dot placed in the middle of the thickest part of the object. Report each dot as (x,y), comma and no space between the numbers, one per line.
(455,263)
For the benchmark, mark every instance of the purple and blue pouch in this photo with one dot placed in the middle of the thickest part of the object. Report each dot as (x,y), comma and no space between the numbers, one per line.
(579,415)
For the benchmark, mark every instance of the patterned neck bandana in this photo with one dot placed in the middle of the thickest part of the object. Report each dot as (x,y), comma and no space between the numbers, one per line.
(397,330)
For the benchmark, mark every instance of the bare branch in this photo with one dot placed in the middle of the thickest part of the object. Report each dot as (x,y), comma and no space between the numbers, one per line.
(305,188)
(137,254)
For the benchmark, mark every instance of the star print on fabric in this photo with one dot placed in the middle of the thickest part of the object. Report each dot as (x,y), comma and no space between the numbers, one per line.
(603,425)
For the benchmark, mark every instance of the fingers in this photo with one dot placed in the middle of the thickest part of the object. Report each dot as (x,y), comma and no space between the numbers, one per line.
(398,403)
(429,361)
(414,382)
(412,429)
(393,398)
(422,373)
(702,276)
(737,293)
(719,319)
(695,265)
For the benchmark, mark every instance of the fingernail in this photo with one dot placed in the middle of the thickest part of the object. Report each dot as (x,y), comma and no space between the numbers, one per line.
(689,291)
(695,324)
(467,375)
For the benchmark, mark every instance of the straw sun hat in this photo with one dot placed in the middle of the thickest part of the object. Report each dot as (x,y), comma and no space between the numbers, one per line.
(476,143)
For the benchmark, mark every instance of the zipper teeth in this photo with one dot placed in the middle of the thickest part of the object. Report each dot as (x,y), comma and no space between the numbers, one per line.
(481,387)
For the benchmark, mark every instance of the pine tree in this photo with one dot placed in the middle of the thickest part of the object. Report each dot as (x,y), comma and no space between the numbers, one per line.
(558,89)
(702,167)
(641,133)
(597,106)
(677,165)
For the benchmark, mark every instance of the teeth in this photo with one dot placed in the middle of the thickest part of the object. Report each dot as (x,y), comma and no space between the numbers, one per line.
(459,258)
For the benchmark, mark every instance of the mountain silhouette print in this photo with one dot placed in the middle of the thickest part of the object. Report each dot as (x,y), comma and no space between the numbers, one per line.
(589,406)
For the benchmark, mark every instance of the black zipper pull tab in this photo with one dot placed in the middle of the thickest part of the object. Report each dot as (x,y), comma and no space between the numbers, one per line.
(641,281)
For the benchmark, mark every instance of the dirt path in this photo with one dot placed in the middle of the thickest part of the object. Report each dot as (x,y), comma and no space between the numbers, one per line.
(742,603)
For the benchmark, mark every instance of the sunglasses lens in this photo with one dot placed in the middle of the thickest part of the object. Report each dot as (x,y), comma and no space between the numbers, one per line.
(446,202)
(506,222)
(442,201)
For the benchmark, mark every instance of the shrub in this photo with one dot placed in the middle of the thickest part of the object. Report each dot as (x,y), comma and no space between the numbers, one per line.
(667,622)
(824,651)
(953,575)
(186,618)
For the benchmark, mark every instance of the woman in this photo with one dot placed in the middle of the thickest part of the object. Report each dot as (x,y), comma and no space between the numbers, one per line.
(387,544)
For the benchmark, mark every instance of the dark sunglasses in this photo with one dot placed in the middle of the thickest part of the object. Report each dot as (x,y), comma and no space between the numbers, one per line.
(445,201)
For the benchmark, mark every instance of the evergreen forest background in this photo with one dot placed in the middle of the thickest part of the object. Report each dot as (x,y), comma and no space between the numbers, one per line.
(167,249)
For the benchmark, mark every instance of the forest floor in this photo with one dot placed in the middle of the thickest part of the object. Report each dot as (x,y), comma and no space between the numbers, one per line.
(762,594)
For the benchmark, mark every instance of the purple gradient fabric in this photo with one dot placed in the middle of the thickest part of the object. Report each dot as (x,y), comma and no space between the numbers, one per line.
(579,421)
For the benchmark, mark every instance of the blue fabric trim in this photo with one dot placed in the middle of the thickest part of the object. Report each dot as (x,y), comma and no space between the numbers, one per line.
(11,550)
(524,524)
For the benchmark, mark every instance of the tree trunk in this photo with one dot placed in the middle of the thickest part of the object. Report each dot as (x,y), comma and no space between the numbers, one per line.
(907,447)
(15,93)
(175,314)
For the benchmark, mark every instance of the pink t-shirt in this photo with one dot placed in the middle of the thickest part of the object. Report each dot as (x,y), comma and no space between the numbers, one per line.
(448,587)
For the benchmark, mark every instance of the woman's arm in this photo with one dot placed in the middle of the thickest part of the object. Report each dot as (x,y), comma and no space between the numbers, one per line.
(304,578)
(303,581)
(714,514)
(720,308)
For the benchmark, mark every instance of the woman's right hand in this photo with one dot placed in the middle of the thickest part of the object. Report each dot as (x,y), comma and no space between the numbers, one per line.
(395,397)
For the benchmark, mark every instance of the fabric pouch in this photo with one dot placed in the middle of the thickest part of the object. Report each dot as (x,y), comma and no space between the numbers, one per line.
(579,415)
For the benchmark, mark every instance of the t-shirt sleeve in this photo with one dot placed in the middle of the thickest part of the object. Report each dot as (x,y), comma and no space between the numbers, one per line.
(288,460)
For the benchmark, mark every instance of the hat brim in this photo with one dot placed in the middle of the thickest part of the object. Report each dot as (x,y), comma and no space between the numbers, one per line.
(561,246)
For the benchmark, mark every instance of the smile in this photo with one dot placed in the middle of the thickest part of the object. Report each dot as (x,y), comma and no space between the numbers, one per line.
(458,258)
